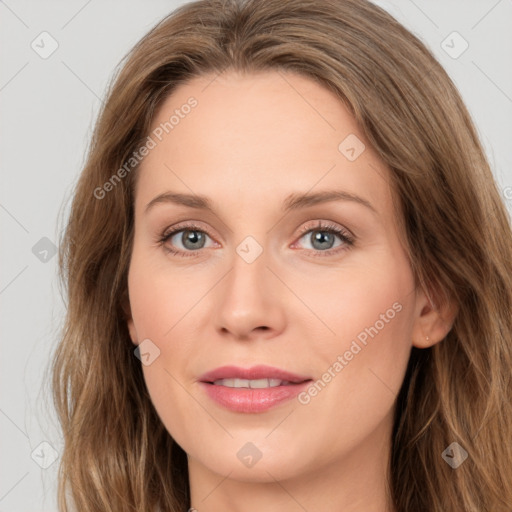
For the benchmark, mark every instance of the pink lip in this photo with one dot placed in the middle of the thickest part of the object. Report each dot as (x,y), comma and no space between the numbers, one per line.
(256,372)
(252,400)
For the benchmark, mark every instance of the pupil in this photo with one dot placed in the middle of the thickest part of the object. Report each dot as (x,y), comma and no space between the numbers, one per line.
(192,237)
(324,238)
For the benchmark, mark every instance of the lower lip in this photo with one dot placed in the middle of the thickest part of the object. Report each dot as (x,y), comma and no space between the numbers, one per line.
(252,400)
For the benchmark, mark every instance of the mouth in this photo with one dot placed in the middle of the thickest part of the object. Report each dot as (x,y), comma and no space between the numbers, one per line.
(256,377)
(253,383)
(252,390)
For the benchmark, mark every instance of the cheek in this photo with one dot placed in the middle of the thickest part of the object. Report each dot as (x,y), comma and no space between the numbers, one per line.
(160,295)
(164,307)
(371,314)
(159,306)
(370,302)
(360,368)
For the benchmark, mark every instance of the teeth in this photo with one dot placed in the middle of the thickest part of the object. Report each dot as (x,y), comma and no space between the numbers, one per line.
(253,384)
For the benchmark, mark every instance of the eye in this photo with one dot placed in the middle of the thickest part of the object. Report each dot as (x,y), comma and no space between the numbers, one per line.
(188,239)
(322,238)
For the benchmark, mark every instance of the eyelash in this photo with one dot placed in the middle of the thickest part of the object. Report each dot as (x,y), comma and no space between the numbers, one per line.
(347,238)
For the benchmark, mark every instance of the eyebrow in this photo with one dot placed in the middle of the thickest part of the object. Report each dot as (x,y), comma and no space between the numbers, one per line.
(294,201)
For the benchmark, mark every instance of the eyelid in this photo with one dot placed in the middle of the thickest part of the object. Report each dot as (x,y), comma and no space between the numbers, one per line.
(345,235)
(177,228)
(323,225)
(191,225)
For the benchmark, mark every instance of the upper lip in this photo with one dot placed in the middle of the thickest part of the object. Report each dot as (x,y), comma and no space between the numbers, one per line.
(253,373)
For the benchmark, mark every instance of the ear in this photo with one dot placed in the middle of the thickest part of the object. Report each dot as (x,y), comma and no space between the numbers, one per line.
(127,312)
(434,319)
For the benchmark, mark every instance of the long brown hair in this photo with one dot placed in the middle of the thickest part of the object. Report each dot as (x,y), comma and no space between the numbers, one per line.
(117,454)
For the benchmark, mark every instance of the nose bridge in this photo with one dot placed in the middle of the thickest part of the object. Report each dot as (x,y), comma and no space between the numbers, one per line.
(248,298)
(247,280)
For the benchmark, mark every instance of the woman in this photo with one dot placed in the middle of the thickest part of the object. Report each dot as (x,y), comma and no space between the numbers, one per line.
(289,276)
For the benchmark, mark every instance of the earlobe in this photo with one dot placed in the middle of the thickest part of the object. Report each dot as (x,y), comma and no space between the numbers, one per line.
(433,322)
(424,342)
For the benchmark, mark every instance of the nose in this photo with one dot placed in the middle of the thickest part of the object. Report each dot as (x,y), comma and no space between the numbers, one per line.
(250,301)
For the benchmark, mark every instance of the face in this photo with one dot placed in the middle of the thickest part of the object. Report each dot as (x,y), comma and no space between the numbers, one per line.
(231,266)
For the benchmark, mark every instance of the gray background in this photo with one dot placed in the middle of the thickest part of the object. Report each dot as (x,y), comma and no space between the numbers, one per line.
(48,108)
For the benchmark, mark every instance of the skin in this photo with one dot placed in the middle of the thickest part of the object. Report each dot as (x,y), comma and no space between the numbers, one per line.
(250,142)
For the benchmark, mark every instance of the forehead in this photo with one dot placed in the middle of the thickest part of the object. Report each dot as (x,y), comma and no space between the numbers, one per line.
(256,137)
